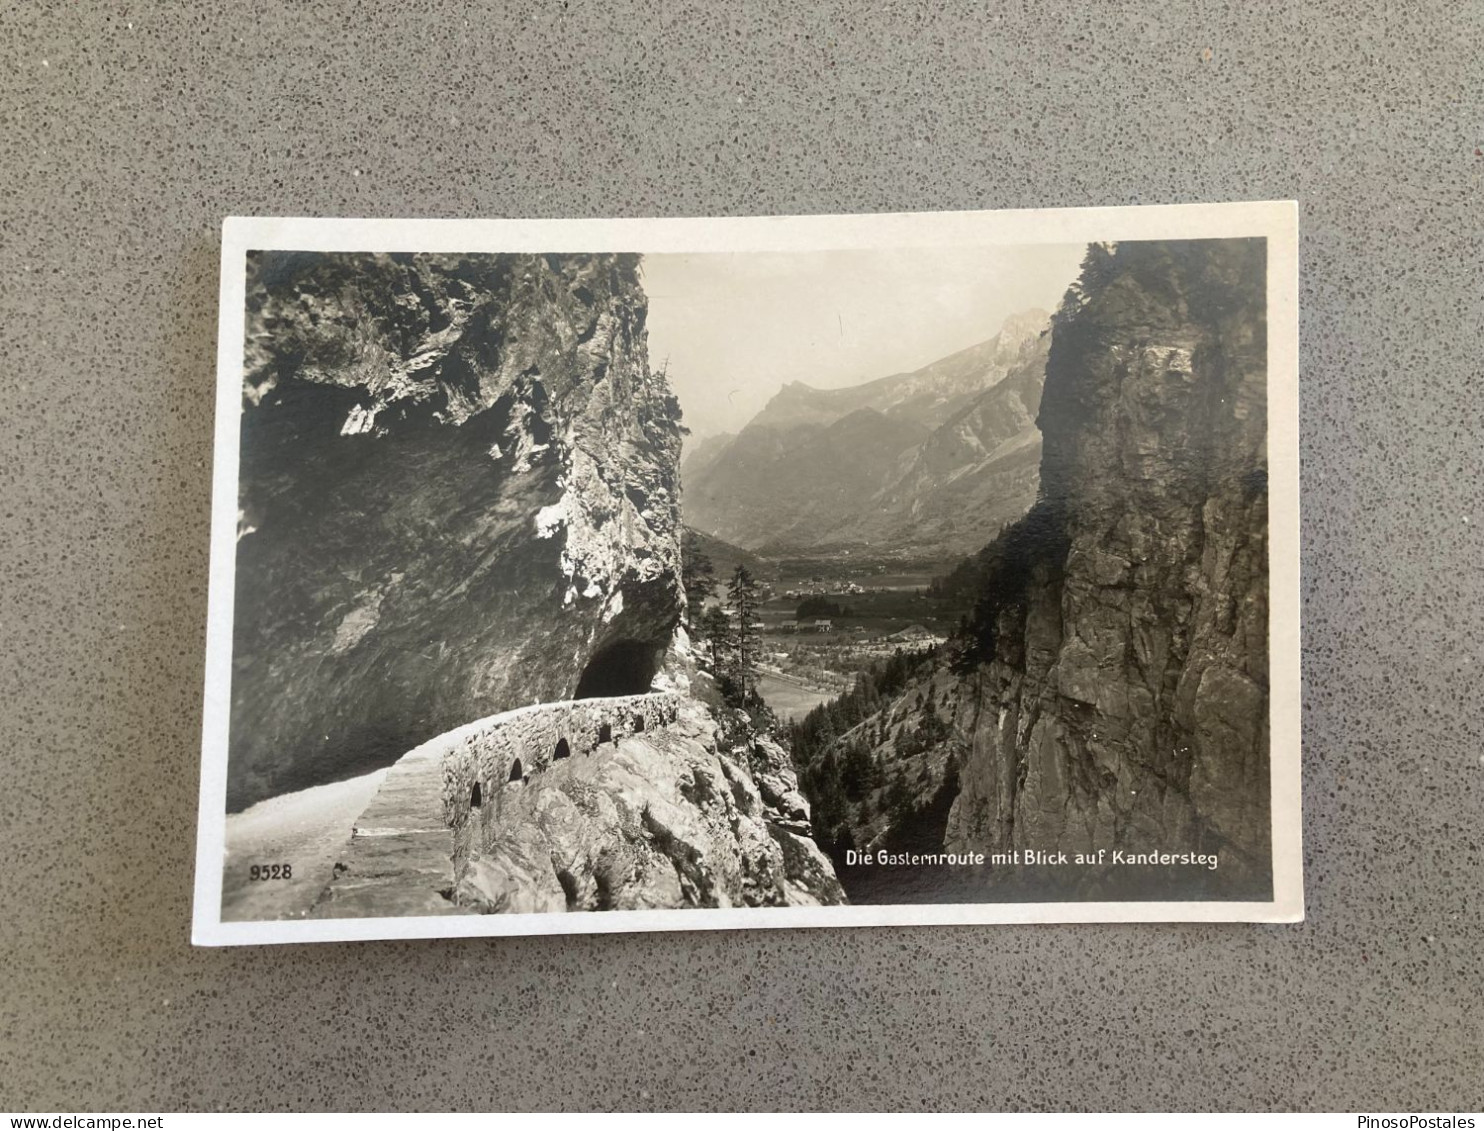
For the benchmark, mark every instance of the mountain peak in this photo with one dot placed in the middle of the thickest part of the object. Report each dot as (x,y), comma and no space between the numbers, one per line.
(965,413)
(1023,326)
(791,391)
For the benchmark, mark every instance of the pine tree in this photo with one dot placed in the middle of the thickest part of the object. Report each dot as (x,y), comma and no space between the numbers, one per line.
(742,590)
(697,575)
(718,632)
(855,771)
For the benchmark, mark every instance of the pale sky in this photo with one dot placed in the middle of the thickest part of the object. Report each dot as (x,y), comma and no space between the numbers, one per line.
(735,327)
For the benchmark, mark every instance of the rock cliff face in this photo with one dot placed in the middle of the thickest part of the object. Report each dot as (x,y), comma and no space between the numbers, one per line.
(669,817)
(908,466)
(458,495)
(622,803)
(1121,693)
(1110,690)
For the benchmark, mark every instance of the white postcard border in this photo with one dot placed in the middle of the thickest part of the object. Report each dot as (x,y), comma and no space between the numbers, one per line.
(1277,221)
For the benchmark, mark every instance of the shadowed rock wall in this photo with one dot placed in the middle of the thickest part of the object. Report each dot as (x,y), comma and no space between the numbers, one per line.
(1122,697)
(458,486)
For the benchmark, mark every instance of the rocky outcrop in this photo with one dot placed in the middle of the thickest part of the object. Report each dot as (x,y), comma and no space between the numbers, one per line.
(458,495)
(910,466)
(619,803)
(658,819)
(1118,667)
(1110,689)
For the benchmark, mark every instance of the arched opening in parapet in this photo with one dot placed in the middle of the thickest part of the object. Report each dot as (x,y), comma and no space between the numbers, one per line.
(563,750)
(638,724)
(605,733)
(516,773)
(476,797)
(625,667)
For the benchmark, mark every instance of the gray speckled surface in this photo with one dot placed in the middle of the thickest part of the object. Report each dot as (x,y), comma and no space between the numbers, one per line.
(129,131)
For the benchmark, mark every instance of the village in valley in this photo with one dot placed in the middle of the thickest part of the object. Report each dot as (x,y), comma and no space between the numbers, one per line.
(817,625)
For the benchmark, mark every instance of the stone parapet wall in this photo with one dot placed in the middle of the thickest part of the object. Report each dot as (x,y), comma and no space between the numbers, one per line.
(415,835)
(513,746)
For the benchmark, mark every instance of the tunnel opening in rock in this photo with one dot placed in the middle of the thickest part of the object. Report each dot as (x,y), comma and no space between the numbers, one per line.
(476,797)
(563,750)
(638,724)
(516,773)
(605,733)
(625,667)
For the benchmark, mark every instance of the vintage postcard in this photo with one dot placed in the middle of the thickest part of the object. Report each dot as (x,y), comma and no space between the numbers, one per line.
(615,575)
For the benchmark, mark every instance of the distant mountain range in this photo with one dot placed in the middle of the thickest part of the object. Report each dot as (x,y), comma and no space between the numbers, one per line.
(912,466)
(725,558)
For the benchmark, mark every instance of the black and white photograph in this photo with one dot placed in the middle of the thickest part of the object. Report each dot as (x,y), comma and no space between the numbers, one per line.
(628,575)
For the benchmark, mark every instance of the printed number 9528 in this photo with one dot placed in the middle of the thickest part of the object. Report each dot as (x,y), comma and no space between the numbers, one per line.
(271,872)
